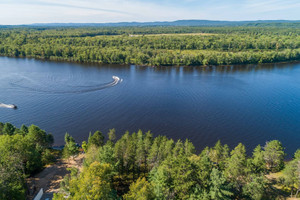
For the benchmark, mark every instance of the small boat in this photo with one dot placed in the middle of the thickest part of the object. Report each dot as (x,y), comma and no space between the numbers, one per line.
(12,106)
(116,78)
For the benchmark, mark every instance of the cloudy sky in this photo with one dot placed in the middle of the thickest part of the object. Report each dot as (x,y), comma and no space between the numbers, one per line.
(98,11)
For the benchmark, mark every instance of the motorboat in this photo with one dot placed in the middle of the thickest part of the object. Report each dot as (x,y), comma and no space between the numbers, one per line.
(12,106)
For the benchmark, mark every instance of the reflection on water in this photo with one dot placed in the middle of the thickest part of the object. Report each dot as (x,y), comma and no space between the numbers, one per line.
(249,104)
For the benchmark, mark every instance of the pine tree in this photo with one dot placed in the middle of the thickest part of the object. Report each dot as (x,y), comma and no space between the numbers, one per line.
(96,139)
(292,175)
(8,129)
(141,189)
(161,180)
(189,148)
(274,155)
(178,149)
(112,135)
(70,148)
(255,187)
(218,189)
(203,169)
(153,158)
(216,153)
(257,161)
(140,151)
(235,169)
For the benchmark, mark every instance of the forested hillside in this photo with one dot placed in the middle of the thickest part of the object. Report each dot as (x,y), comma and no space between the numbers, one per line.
(154,45)
(211,23)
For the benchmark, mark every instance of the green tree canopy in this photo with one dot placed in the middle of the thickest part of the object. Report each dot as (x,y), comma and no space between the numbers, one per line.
(274,155)
(141,189)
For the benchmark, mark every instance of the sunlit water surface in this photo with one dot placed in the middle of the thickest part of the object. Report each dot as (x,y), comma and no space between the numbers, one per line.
(248,104)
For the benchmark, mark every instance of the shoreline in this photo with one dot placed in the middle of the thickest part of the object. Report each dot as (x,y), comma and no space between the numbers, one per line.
(145,65)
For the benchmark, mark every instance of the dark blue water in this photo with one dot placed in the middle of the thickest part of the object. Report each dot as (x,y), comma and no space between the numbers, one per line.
(248,104)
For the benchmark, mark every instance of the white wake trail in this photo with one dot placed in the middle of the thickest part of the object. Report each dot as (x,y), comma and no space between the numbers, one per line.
(80,89)
(116,80)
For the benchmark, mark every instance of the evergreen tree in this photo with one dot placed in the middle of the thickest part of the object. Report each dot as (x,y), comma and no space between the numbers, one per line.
(8,129)
(235,170)
(111,135)
(161,181)
(1,128)
(141,189)
(189,148)
(96,139)
(203,169)
(274,155)
(255,187)
(140,150)
(178,149)
(153,158)
(219,190)
(258,161)
(106,155)
(39,136)
(292,175)
(182,174)
(24,130)
(199,193)
(70,149)
(216,154)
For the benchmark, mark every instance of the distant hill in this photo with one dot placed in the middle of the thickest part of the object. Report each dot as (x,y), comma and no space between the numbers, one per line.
(289,23)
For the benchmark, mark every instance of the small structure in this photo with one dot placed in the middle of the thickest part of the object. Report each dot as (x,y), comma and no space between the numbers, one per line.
(39,195)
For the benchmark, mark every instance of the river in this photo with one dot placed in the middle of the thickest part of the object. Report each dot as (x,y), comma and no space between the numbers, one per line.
(250,104)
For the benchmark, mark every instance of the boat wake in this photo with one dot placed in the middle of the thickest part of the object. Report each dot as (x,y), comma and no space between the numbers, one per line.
(69,89)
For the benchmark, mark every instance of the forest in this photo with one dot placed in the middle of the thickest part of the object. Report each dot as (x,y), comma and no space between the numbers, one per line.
(141,166)
(154,46)
(23,152)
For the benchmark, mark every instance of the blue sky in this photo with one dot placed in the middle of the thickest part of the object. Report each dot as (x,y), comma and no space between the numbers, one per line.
(97,11)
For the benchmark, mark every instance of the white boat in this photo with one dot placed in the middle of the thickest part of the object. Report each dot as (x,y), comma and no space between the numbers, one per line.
(116,78)
(12,106)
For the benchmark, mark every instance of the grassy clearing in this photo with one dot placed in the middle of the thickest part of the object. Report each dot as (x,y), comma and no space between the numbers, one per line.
(282,192)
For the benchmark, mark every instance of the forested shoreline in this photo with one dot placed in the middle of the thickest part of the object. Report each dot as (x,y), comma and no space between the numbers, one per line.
(154,46)
(141,166)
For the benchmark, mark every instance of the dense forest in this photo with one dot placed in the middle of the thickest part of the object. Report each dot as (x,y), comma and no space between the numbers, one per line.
(140,166)
(154,46)
(23,152)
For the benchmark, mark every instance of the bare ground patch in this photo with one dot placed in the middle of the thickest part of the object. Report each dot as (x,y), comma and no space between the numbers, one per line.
(49,179)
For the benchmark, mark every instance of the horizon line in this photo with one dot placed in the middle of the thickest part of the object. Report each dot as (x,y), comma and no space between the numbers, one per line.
(141,22)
